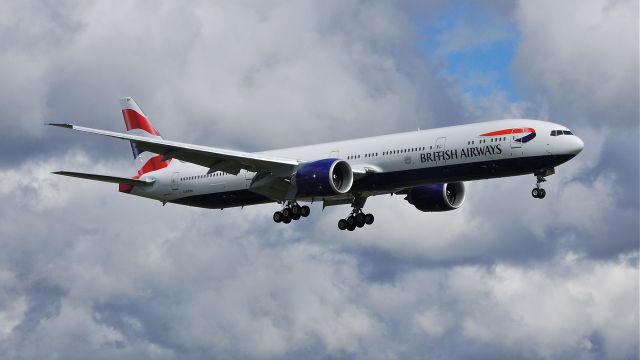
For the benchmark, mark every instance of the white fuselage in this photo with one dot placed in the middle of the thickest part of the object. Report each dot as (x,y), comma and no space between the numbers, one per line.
(391,162)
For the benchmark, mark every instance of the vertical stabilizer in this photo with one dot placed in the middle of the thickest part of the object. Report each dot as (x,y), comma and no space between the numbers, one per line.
(138,123)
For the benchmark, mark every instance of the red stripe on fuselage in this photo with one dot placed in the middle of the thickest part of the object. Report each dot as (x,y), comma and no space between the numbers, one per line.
(135,120)
(509,132)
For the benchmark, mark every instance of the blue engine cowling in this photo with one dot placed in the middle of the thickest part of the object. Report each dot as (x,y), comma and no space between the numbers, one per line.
(437,197)
(324,178)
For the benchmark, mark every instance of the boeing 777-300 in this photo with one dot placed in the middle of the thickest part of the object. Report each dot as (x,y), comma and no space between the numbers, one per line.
(428,167)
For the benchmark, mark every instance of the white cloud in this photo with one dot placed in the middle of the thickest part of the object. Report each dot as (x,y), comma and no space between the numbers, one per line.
(582,57)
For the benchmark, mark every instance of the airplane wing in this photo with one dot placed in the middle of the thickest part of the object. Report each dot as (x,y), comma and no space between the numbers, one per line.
(215,159)
(105,178)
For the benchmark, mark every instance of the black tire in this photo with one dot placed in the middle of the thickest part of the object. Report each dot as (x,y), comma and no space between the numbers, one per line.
(277,216)
(351,220)
(535,193)
(368,219)
(359,218)
(295,216)
(286,212)
(542,194)
(296,210)
(286,220)
(342,224)
(351,227)
(305,211)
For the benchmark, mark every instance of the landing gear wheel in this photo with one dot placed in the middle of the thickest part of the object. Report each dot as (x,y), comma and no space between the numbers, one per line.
(535,193)
(295,216)
(286,220)
(541,194)
(351,220)
(368,219)
(351,227)
(305,211)
(342,224)
(286,212)
(359,218)
(277,216)
(296,210)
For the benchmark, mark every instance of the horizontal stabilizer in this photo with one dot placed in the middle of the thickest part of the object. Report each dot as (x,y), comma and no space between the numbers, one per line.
(105,178)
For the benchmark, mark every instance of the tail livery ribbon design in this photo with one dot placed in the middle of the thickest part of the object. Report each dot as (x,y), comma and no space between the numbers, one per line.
(138,123)
(528,134)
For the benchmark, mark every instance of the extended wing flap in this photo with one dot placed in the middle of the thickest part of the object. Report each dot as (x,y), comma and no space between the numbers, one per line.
(201,155)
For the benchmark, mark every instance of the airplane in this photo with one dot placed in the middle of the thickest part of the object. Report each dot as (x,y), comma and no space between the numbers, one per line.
(428,167)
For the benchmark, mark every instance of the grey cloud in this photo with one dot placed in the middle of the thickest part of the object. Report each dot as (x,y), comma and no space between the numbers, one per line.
(44,303)
(149,281)
(88,272)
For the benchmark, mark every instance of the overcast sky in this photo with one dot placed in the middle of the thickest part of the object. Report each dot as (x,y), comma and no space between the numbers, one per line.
(87,272)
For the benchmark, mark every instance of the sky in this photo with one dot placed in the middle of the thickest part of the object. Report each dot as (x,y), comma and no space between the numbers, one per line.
(87,272)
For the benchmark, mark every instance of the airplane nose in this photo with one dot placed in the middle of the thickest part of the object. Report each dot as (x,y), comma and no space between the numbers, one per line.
(577,145)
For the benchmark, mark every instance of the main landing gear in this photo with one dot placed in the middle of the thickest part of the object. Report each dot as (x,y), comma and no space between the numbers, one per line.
(292,211)
(538,192)
(357,218)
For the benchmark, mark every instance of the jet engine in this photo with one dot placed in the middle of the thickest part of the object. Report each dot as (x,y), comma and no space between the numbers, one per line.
(324,178)
(437,197)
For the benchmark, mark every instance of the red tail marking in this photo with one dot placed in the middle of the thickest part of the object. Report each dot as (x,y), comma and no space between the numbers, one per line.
(153,164)
(125,188)
(135,120)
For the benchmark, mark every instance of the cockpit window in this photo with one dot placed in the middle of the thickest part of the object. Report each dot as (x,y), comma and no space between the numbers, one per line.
(560,132)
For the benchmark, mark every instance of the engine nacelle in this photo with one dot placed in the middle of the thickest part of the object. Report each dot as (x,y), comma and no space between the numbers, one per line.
(324,177)
(437,197)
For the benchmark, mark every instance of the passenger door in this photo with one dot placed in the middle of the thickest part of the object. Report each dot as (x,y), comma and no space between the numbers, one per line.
(175,181)
(441,144)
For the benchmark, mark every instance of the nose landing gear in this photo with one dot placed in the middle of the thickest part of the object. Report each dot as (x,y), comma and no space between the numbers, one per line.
(538,192)
(292,211)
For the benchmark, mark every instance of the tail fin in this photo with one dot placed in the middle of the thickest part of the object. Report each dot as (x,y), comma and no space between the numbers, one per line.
(137,122)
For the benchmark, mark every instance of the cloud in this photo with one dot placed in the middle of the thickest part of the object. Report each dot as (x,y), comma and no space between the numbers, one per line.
(336,67)
(88,272)
(580,58)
